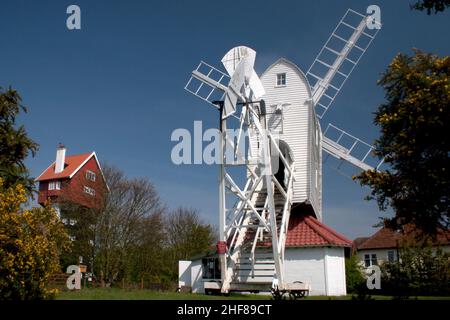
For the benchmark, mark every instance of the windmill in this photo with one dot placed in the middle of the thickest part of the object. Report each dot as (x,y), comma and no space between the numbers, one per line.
(279,115)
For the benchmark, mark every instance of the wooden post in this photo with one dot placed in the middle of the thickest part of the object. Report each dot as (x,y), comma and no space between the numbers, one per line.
(102,281)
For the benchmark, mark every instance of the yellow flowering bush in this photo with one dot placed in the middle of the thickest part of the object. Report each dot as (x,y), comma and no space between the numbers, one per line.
(31,241)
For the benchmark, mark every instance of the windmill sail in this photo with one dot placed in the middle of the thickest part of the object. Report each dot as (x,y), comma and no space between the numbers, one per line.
(346,147)
(338,57)
(208,83)
(231,60)
(212,85)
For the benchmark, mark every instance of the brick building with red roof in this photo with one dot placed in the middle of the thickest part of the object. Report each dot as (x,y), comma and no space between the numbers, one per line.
(76,178)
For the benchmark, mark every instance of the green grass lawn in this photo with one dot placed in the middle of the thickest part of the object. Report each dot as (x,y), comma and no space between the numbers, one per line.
(124,294)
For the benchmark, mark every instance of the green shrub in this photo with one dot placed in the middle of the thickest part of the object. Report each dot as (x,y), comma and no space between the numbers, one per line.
(353,275)
(421,270)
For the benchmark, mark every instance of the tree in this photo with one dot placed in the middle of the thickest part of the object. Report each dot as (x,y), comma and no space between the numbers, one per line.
(80,224)
(187,236)
(30,244)
(15,145)
(353,274)
(414,143)
(129,238)
(147,256)
(80,213)
(420,270)
(432,6)
(128,222)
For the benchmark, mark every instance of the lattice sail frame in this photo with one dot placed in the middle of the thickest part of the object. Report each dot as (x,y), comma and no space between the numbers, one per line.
(338,57)
(327,75)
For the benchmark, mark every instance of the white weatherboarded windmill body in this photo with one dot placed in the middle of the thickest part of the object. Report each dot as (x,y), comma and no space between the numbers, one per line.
(271,234)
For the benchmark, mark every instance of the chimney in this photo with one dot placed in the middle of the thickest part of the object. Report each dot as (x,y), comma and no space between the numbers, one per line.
(60,158)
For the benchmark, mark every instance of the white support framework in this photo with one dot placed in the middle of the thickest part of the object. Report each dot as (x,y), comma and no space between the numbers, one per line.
(256,216)
(253,218)
(344,146)
(338,57)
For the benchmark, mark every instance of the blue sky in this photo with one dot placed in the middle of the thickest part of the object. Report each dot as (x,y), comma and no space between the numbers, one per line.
(116,85)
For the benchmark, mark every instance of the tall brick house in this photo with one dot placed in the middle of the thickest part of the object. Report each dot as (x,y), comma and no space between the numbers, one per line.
(76,178)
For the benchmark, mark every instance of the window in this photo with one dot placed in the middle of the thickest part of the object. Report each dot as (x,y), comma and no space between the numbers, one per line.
(275,118)
(281,79)
(68,221)
(54,185)
(370,260)
(391,256)
(90,175)
(211,268)
(89,190)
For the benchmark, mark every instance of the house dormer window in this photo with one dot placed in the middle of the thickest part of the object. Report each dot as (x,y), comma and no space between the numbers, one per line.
(54,185)
(281,79)
(89,191)
(90,175)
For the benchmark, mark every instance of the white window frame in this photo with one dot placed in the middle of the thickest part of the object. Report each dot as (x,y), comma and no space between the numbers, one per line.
(90,191)
(90,175)
(372,257)
(391,252)
(54,185)
(281,79)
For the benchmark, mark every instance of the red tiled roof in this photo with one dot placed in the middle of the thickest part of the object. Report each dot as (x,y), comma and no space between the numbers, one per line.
(71,164)
(359,241)
(388,238)
(306,231)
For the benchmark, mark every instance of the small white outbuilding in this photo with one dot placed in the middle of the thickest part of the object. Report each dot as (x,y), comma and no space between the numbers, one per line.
(314,254)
